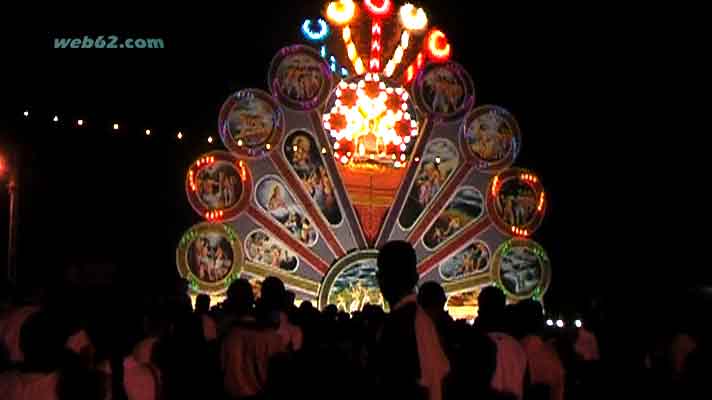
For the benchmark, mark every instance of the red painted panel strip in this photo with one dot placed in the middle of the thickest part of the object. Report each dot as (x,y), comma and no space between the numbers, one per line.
(440,203)
(274,228)
(451,247)
(391,219)
(313,211)
(338,182)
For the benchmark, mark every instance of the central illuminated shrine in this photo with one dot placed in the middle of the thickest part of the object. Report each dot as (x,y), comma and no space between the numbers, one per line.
(368,133)
(371,123)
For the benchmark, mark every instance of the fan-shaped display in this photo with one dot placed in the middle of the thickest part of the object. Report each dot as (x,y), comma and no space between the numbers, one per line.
(369,134)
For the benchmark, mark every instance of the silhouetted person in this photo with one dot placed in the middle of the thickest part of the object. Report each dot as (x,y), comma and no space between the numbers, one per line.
(202,308)
(273,305)
(511,367)
(491,303)
(330,312)
(248,350)
(306,306)
(546,371)
(202,304)
(184,358)
(431,296)
(586,345)
(49,370)
(238,306)
(409,359)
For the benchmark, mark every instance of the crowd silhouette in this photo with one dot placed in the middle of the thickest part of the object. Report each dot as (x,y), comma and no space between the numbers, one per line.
(55,345)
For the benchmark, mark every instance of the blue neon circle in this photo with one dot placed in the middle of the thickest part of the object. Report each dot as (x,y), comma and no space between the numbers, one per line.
(315,36)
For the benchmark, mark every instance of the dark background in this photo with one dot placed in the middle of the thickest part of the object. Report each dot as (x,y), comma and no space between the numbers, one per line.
(585,85)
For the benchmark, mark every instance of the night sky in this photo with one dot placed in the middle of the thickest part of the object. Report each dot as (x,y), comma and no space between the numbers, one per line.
(91,195)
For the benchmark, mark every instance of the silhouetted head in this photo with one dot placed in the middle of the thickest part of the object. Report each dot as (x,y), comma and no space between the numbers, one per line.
(397,273)
(240,298)
(431,296)
(306,306)
(42,342)
(531,316)
(330,312)
(491,301)
(490,315)
(202,303)
(273,295)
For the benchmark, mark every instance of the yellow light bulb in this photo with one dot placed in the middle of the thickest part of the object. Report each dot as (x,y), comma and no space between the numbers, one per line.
(351,51)
(359,67)
(346,34)
(341,12)
(413,19)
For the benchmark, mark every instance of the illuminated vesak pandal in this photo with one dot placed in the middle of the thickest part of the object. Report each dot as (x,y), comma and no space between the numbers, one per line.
(368,133)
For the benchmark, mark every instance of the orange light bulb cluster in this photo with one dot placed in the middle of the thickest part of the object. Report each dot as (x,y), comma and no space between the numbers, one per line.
(214,215)
(351,51)
(398,54)
(243,170)
(438,46)
(341,12)
(413,19)
(519,232)
(414,67)
(207,160)
(495,185)
(370,122)
(529,178)
(376,10)
(541,202)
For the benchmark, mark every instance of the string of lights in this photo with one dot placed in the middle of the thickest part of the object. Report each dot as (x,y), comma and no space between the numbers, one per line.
(181,136)
(57,120)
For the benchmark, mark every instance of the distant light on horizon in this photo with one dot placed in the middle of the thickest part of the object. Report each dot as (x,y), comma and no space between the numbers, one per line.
(80,122)
(578,323)
(26,113)
(559,323)
(210,139)
(148,132)
(55,119)
(116,127)
(549,322)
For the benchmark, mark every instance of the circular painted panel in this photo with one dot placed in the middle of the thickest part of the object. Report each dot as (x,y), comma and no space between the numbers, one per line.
(300,78)
(491,136)
(351,283)
(251,124)
(209,256)
(521,267)
(218,186)
(444,91)
(516,202)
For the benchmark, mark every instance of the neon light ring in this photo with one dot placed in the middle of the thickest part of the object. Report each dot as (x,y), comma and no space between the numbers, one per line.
(251,123)
(516,202)
(490,136)
(209,257)
(218,186)
(522,269)
(300,78)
